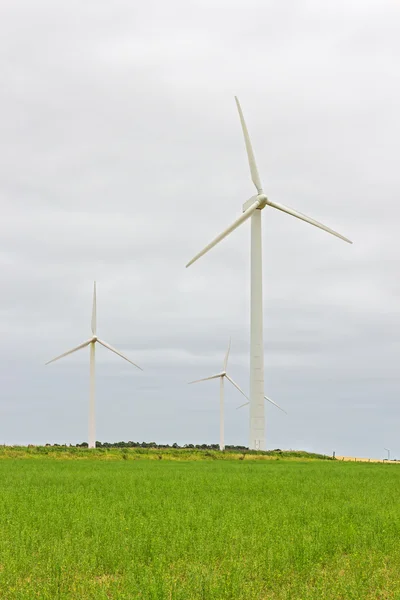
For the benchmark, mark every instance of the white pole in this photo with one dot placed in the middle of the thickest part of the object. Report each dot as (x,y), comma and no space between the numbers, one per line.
(92,432)
(257,414)
(221,414)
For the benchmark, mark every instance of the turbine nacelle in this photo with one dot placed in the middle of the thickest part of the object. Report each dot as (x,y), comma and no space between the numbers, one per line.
(260,199)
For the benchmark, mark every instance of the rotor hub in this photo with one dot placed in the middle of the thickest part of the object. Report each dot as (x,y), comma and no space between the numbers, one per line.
(263,200)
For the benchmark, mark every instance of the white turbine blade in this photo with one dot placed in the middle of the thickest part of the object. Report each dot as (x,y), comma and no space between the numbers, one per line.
(227,355)
(70,351)
(275,404)
(269,400)
(94,311)
(118,353)
(243,217)
(252,161)
(236,386)
(208,378)
(302,217)
(241,406)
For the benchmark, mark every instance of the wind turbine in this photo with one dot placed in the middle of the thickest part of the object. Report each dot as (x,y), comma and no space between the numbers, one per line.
(388,451)
(252,208)
(92,343)
(221,377)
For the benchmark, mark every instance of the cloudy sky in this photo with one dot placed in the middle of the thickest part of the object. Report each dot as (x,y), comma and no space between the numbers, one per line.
(122,156)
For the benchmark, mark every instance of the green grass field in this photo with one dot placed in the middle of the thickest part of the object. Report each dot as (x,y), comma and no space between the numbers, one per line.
(209,529)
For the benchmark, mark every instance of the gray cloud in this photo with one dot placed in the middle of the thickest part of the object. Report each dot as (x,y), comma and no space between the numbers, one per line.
(122,155)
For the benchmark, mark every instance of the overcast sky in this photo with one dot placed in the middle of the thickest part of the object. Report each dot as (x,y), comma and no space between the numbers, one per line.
(122,156)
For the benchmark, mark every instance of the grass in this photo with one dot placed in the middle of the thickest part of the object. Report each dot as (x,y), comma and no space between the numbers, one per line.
(177,454)
(199,529)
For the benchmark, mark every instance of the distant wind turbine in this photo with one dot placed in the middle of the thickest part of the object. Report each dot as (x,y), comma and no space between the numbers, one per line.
(92,343)
(388,451)
(221,377)
(252,208)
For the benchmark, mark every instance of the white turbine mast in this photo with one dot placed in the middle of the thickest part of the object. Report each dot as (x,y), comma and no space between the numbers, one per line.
(252,208)
(92,343)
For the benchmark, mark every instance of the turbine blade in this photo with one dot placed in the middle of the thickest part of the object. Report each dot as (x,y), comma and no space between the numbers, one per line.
(241,406)
(250,154)
(70,351)
(118,353)
(269,400)
(243,217)
(227,355)
(208,378)
(302,217)
(275,404)
(236,386)
(94,311)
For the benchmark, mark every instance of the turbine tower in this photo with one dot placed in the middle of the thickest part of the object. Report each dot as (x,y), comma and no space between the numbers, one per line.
(252,208)
(92,343)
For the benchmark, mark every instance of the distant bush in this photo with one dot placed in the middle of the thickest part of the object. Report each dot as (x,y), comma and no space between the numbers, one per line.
(150,450)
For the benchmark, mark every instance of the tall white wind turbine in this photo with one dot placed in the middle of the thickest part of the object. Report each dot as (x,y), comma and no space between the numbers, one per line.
(221,376)
(92,343)
(252,208)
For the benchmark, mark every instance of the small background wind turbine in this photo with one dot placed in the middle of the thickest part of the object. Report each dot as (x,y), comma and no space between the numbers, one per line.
(388,451)
(221,376)
(92,343)
(252,208)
